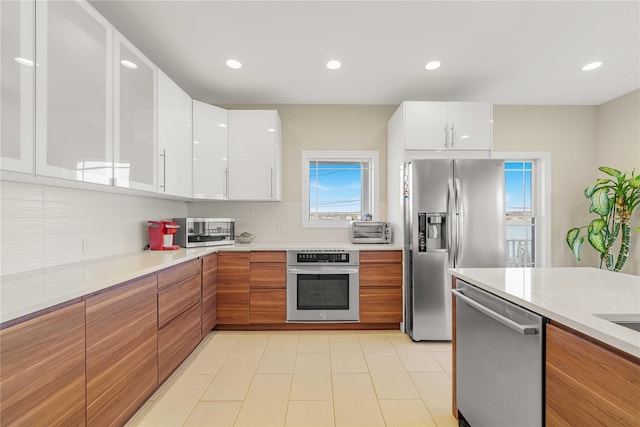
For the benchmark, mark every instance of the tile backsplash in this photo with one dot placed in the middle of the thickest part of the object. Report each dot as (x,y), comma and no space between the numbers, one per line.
(45,226)
(269,221)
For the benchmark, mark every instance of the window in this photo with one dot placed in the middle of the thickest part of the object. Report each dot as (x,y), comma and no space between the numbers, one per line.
(338,187)
(520,214)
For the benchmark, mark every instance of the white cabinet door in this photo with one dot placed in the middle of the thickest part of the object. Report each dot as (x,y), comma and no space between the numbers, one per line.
(17,72)
(425,125)
(254,148)
(447,125)
(135,147)
(210,152)
(469,125)
(74,102)
(174,138)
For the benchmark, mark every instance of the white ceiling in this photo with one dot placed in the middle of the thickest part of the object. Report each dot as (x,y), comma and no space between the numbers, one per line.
(504,52)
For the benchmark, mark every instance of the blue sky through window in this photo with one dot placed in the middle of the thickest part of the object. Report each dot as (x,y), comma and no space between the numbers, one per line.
(335,187)
(518,187)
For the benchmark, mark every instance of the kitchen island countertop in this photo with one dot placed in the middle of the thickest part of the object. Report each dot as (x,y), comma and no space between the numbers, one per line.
(571,296)
(23,294)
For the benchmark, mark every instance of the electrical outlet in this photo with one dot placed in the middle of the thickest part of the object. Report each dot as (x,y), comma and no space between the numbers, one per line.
(86,247)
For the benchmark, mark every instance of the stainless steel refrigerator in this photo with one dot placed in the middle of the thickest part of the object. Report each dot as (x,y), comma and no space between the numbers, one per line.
(454,216)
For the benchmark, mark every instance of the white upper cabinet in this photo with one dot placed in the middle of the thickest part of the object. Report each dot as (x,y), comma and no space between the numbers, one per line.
(135,147)
(74,102)
(210,152)
(17,72)
(255,155)
(447,125)
(175,156)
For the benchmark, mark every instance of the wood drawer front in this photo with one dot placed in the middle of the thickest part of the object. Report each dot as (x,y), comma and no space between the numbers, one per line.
(268,306)
(175,300)
(42,380)
(233,307)
(268,275)
(268,256)
(209,263)
(209,300)
(233,260)
(380,275)
(233,289)
(121,351)
(589,384)
(176,341)
(178,273)
(380,305)
(381,257)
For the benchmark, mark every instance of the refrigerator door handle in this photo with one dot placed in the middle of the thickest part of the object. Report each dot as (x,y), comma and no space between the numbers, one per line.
(460,219)
(452,223)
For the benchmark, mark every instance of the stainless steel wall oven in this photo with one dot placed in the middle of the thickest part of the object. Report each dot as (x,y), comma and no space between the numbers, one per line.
(323,286)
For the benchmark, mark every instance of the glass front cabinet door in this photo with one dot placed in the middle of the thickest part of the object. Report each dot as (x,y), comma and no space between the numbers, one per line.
(135,142)
(74,102)
(17,71)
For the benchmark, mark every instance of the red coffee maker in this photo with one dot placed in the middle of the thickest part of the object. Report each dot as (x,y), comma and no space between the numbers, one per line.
(161,235)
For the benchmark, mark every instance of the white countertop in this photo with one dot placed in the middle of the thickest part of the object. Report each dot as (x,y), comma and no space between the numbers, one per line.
(571,296)
(26,293)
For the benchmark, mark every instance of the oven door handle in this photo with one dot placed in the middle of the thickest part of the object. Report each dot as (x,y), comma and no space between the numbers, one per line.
(322,270)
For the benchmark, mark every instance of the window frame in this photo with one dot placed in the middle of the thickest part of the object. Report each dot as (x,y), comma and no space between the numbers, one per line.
(339,156)
(541,199)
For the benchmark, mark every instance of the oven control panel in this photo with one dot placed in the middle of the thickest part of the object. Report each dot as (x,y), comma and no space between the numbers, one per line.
(322,257)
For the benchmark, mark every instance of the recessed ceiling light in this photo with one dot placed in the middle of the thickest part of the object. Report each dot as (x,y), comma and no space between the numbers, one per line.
(128,64)
(432,65)
(464,137)
(196,142)
(222,125)
(271,130)
(334,64)
(24,61)
(592,66)
(234,64)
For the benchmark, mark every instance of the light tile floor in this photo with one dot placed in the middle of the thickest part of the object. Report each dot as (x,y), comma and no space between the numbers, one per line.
(310,378)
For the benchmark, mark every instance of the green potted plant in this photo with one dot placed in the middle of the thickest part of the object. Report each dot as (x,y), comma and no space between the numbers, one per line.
(613,201)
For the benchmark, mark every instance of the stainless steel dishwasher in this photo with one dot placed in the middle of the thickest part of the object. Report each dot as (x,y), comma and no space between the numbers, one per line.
(499,360)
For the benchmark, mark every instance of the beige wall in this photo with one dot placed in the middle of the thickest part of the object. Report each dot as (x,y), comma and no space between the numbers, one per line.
(570,134)
(618,146)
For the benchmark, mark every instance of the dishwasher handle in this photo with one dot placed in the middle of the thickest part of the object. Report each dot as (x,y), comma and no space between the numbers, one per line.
(522,329)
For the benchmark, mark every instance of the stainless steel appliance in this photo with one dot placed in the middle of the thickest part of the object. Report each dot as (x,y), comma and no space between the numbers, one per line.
(369,232)
(205,232)
(453,217)
(323,285)
(499,360)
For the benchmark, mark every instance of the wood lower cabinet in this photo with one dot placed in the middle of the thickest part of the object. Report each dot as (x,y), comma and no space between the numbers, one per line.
(177,340)
(233,288)
(121,351)
(381,286)
(268,297)
(42,380)
(381,305)
(179,315)
(209,293)
(587,383)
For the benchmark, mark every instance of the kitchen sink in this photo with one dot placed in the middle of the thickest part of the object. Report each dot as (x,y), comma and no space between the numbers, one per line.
(631,321)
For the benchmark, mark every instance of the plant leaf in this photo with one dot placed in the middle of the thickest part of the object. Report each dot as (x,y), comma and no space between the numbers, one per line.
(634,182)
(600,202)
(610,171)
(597,241)
(573,242)
(597,225)
(590,189)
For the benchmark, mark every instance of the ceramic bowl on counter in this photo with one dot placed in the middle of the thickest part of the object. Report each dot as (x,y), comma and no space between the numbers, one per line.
(245,237)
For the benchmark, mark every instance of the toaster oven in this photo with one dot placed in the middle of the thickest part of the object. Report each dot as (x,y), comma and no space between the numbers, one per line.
(369,232)
(204,232)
